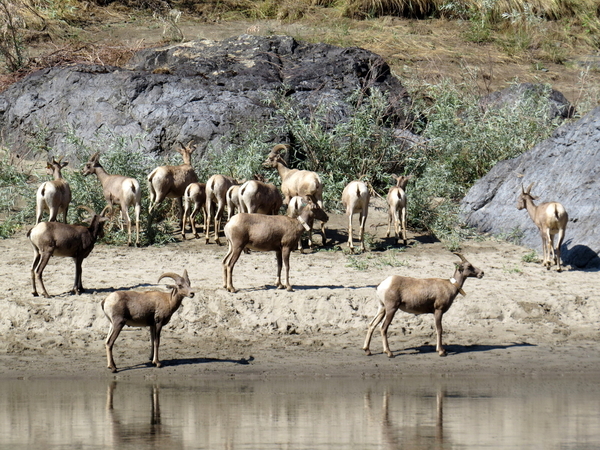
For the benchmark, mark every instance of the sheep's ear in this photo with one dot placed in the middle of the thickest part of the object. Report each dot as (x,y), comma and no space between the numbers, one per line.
(186,277)
(66,163)
(171,286)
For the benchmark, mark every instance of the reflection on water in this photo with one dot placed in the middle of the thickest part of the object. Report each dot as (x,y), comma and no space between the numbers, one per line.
(402,413)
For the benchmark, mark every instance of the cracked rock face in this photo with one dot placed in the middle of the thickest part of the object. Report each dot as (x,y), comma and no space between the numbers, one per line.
(202,90)
(566,169)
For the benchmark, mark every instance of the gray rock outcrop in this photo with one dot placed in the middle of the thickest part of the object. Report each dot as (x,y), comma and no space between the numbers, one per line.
(550,102)
(202,90)
(565,168)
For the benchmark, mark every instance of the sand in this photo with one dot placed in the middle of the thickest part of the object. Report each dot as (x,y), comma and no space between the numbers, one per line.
(519,319)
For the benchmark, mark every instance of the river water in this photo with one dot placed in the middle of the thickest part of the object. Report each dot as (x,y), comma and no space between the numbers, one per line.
(303,413)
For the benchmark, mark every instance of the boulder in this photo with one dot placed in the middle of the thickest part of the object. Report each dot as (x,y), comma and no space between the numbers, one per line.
(555,104)
(202,90)
(566,169)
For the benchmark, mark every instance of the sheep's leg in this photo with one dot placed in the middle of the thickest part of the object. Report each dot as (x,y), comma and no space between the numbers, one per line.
(137,223)
(323,233)
(376,321)
(397,224)
(53,214)
(125,218)
(286,251)
(36,262)
(78,285)
(350,244)
(65,212)
(156,344)
(184,219)
(404,225)
(225,263)
(279,256)
(390,218)
(438,314)
(561,235)
(235,254)
(39,270)
(544,248)
(207,219)
(218,215)
(39,210)
(363,221)
(152,337)
(113,333)
(389,315)
(180,211)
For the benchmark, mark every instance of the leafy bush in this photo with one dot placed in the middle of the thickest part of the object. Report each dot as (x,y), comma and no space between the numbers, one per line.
(119,155)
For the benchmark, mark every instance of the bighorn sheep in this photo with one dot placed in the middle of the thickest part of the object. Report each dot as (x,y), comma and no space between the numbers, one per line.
(355,197)
(53,196)
(119,189)
(303,183)
(194,194)
(295,207)
(551,218)
(266,233)
(396,200)
(419,296)
(144,309)
(233,200)
(259,197)
(171,181)
(61,239)
(216,192)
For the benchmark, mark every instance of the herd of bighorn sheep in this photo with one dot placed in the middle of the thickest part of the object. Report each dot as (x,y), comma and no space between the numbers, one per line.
(258,226)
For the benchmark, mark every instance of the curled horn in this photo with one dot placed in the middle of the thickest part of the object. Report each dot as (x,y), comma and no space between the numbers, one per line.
(106,209)
(172,275)
(88,209)
(462,258)
(278,148)
(95,157)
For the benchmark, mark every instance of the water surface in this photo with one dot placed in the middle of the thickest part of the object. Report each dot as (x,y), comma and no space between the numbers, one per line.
(403,413)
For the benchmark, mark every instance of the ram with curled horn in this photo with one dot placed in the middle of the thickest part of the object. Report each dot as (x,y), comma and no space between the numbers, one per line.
(61,239)
(151,309)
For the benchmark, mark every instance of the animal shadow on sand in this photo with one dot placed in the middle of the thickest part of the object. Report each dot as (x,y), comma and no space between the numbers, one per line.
(457,349)
(188,361)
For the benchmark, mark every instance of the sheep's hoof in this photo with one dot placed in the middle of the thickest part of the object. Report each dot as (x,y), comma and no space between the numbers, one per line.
(158,364)
(112,369)
(442,352)
(35,294)
(232,289)
(390,354)
(289,289)
(367,351)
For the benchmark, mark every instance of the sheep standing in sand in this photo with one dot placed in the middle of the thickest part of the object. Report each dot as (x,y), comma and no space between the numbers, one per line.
(551,219)
(53,196)
(419,296)
(151,309)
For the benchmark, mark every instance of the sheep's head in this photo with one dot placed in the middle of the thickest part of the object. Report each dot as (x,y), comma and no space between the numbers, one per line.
(274,157)
(53,165)
(402,181)
(524,196)
(468,269)
(95,221)
(313,209)
(186,151)
(182,283)
(90,166)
